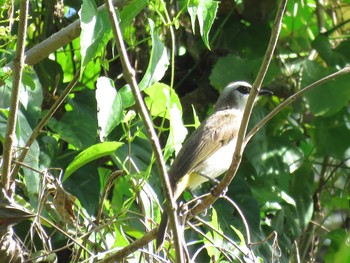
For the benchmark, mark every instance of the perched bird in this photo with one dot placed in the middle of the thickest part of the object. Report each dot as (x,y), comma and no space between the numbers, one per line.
(208,152)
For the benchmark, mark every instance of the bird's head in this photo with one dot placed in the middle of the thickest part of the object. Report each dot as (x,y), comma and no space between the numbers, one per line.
(235,96)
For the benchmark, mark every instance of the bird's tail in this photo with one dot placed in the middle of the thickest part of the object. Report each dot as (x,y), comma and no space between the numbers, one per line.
(162,230)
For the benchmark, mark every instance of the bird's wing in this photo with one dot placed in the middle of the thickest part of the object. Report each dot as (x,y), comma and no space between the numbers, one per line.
(213,133)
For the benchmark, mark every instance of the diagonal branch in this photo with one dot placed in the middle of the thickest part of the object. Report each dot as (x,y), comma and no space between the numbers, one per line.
(128,73)
(56,41)
(42,123)
(291,99)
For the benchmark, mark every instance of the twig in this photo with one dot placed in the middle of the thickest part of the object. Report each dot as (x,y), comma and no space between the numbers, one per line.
(42,123)
(18,65)
(113,176)
(225,237)
(129,76)
(245,223)
(121,254)
(280,107)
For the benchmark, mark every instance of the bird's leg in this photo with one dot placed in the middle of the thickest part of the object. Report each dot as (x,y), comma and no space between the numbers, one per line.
(209,178)
(183,210)
(216,182)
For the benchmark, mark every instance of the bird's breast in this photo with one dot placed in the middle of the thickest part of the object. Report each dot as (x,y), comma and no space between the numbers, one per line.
(215,165)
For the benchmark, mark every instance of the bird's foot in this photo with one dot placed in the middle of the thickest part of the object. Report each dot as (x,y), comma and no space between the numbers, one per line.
(214,192)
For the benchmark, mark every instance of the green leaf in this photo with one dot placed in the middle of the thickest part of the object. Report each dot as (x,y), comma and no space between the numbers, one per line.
(79,125)
(240,236)
(126,96)
(328,98)
(205,11)
(67,59)
(331,136)
(31,98)
(212,251)
(109,106)
(158,100)
(158,62)
(95,31)
(328,54)
(32,178)
(234,68)
(92,153)
(130,11)
(301,190)
(162,101)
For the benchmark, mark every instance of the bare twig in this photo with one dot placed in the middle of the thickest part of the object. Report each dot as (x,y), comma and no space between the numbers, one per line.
(137,244)
(292,98)
(225,237)
(18,65)
(113,176)
(129,76)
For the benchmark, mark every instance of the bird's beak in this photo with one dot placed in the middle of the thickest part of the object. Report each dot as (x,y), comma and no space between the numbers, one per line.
(265,92)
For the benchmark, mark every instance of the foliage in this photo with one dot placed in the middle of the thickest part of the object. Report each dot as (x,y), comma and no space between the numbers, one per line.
(293,183)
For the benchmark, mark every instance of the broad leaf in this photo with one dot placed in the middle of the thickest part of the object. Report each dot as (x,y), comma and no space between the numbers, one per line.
(95,31)
(92,153)
(78,126)
(205,11)
(109,106)
(330,97)
(158,62)
(162,101)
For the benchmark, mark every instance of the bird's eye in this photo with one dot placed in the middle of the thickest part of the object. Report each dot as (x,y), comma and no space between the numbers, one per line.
(243,89)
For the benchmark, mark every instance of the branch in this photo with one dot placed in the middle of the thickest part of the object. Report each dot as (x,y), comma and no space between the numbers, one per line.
(137,244)
(18,65)
(56,41)
(128,73)
(280,107)
(237,156)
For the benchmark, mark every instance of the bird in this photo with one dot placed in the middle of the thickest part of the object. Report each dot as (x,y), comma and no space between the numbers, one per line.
(208,152)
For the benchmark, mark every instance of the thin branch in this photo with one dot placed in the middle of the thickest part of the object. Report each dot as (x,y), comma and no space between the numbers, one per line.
(137,244)
(42,123)
(56,41)
(246,116)
(172,37)
(18,65)
(245,222)
(129,76)
(284,104)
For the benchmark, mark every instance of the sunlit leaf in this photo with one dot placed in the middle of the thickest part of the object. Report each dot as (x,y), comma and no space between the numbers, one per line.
(95,31)
(109,106)
(213,236)
(92,153)
(163,102)
(205,11)
(158,62)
